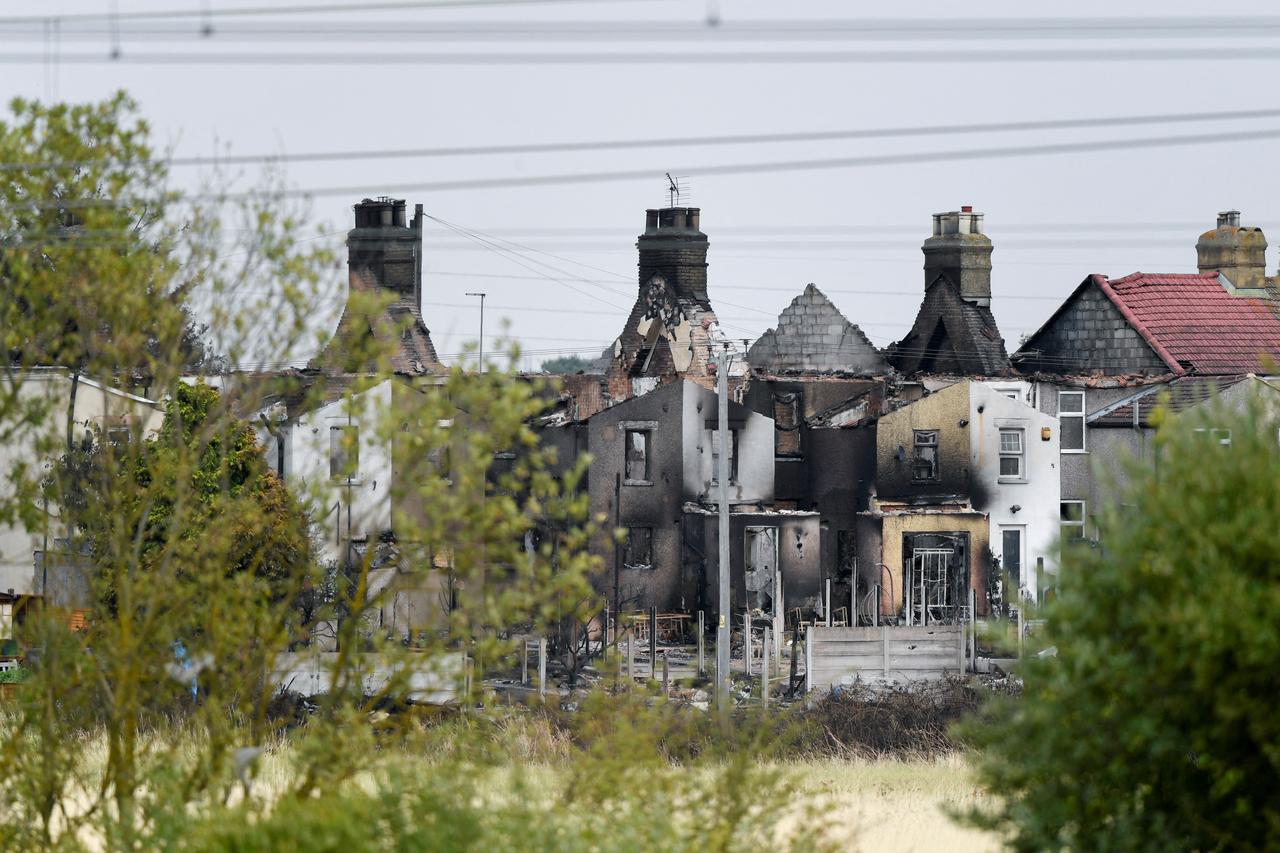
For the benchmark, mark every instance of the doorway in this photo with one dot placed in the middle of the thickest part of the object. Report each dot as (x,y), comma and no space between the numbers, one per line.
(937,577)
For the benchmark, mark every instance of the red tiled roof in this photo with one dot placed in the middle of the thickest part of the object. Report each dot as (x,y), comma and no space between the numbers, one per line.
(1194,324)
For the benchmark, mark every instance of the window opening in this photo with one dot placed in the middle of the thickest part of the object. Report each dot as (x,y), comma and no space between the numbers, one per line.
(1071,525)
(1071,419)
(637,456)
(344,452)
(924,459)
(715,455)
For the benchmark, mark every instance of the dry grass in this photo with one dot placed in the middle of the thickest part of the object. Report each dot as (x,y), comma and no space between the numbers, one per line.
(896,805)
(889,804)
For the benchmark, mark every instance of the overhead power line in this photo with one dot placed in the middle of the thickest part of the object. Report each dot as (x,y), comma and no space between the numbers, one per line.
(259,11)
(691,141)
(772,30)
(718,169)
(931,56)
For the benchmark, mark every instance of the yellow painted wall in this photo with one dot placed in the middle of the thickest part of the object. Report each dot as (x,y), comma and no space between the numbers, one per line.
(893,528)
(942,411)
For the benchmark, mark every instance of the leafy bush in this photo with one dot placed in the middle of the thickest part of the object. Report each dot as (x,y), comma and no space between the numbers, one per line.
(1156,726)
(14,676)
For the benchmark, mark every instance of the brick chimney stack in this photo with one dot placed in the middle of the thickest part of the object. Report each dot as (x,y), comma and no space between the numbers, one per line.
(959,250)
(673,245)
(1237,252)
(384,250)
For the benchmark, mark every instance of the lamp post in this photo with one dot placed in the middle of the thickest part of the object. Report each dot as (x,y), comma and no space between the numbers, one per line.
(481,295)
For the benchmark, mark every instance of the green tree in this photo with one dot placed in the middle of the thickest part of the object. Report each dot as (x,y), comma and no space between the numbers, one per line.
(226,484)
(1155,726)
(566,364)
(194,544)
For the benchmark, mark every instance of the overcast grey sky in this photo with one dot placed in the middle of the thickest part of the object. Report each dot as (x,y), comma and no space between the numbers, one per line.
(855,232)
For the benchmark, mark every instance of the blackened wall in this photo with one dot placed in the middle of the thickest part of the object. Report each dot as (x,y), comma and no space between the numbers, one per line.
(655,505)
(799,556)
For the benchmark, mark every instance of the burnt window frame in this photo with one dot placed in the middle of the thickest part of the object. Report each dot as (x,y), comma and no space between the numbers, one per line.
(735,447)
(647,430)
(916,446)
(629,543)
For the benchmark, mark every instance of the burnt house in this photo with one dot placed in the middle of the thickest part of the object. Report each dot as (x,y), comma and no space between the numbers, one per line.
(672,329)
(653,477)
(823,382)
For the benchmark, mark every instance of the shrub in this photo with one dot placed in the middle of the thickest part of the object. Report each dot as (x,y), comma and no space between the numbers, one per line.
(1156,727)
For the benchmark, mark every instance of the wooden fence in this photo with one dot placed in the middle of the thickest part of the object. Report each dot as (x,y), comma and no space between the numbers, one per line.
(835,656)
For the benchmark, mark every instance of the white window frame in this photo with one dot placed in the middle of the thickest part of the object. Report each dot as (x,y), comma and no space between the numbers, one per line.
(1219,436)
(1020,455)
(1084,427)
(1084,517)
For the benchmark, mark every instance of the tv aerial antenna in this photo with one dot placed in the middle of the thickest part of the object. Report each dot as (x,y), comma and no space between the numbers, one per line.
(677,190)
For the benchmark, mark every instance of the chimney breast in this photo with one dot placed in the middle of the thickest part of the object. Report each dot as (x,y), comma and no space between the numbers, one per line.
(959,250)
(383,251)
(673,246)
(1239,253)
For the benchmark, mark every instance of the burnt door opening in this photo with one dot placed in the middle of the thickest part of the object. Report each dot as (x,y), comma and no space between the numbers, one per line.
(937,577)
(763,579)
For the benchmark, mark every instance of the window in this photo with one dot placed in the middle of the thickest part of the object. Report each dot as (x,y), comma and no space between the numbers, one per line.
(637,551)
(344,452)
(924,457)
(637,456)
(1217,436)
(1012,455)
(1011,393)
(1011,554)
(119,436)
(786,426)
(1071,527)
(715,455)
(1071,417)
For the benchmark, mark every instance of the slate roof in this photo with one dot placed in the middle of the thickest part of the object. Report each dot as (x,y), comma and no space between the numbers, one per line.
(813,336)
(399,329)
(1195,324)
(951,336)
(1177,396)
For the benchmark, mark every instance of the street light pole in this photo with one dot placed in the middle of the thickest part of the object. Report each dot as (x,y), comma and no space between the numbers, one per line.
(481,295)
(722,475)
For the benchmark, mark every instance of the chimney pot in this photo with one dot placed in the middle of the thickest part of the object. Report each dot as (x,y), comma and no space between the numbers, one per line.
(695,218)
(650,221)
(1239,254)
(960,251)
